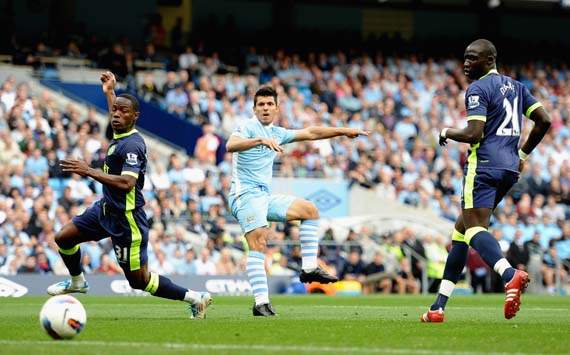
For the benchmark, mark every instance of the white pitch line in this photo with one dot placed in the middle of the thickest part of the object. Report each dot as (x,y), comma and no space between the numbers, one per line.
(450,307)
(252,347)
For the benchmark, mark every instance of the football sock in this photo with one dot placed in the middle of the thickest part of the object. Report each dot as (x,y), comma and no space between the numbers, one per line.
(309,244)
(489,250)
(72,260)
(453,267)
(257,277)
(161,286)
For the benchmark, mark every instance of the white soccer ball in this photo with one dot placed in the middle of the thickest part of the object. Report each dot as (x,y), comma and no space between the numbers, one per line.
(63,317)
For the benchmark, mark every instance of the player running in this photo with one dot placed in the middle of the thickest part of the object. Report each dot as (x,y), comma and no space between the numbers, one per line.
(495,104)
(119,214)
(255,145)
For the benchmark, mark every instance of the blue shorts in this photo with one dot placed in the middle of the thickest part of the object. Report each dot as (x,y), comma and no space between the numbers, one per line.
(486,188)
(255,207)
(128,231)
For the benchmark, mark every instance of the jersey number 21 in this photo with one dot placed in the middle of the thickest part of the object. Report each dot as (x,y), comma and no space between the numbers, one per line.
(511,116)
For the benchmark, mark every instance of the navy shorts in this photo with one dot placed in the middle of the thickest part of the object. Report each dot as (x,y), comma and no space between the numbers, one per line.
(128,231)
(486,188)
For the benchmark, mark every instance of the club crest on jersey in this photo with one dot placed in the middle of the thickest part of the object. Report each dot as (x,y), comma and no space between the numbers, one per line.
(131,159)
(473,101)
(111,149)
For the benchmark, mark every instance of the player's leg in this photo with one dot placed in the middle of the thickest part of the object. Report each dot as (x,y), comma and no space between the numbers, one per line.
(306,212)
(256,273)
(456,260)
(250,210)
(131,252)
(478,207)
(82,228)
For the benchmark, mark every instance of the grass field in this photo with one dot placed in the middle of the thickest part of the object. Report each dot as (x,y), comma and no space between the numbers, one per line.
(306,324)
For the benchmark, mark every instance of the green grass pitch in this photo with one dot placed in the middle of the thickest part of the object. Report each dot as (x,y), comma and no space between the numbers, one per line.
(306,324)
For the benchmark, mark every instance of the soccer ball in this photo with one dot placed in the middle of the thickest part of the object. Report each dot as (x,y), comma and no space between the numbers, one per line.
(63,317)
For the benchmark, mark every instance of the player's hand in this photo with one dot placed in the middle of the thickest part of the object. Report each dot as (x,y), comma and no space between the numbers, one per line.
(442,138)
(75,166)
(354,132)
(272,144)
(109,82)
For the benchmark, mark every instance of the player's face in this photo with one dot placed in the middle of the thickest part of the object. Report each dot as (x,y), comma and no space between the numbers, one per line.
(474,63)
(266,109)
(123,115)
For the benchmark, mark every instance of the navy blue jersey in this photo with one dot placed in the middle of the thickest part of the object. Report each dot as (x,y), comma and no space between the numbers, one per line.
(126,156)
(500,102)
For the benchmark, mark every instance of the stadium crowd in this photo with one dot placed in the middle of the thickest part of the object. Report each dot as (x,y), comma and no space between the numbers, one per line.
(404,102)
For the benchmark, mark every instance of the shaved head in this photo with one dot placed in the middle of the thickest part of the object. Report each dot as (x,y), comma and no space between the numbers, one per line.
(486,47)
(480,57)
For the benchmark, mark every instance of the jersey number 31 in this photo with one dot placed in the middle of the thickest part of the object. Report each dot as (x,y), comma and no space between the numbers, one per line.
(511,116)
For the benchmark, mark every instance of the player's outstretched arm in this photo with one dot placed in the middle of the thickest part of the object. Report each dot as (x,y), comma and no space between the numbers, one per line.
(238,144)
(542,123)
(108,83)
(316,132)
(471,134)
(121,182)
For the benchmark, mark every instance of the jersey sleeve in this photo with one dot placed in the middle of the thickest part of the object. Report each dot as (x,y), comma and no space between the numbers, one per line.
(529,103)
(285,136)
(133,154)
(243,131)
(476,103)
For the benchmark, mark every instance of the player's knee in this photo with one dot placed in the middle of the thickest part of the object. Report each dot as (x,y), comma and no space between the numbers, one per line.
(257,240)
(312,211)
(137,281)
(62,241)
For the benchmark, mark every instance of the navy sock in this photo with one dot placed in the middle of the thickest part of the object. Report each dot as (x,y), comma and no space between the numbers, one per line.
(456,261)
(440,302)
(161,286)
(72,260)
(453,267)
(490,251)
(508,274)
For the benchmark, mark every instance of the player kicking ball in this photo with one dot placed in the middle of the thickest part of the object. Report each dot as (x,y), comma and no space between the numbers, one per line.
(495,104)
(254,146)
(119,214)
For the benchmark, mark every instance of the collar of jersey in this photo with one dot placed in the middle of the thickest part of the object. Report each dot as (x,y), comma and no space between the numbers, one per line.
(121,135)
(492,71)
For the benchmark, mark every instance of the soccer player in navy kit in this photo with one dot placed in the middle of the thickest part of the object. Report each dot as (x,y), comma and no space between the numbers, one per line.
(495,104)
(119,213)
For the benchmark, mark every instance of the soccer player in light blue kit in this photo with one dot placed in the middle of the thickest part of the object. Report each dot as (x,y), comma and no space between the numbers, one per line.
(254,146)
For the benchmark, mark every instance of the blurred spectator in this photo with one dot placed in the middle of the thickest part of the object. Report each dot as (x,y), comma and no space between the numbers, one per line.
(204,265)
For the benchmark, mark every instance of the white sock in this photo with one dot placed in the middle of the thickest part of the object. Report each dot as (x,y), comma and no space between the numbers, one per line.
(257,276)
(192,296)
(309,244)
(501,266)
(78,281)
(446,288)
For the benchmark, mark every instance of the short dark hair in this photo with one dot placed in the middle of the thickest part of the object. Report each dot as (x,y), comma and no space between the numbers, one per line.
(265,91)
(133,100)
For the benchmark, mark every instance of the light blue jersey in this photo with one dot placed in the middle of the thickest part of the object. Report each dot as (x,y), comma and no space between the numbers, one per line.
(253,168)
(250,196)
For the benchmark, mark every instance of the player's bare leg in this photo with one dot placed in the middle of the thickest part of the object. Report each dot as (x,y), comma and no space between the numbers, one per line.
(476,222)
(308,214)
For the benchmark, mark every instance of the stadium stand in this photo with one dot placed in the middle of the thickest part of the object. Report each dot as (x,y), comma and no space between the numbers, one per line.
(404,100)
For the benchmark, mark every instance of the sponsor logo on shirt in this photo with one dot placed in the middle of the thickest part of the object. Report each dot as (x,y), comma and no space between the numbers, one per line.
(131,159)
(473,101)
